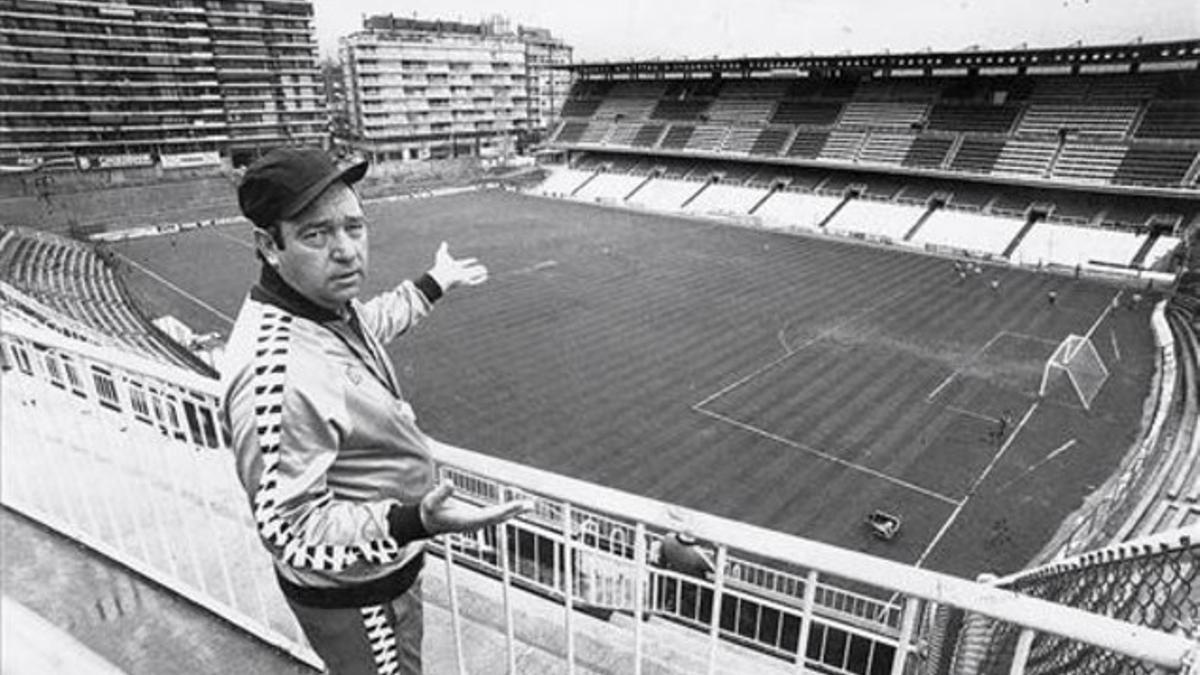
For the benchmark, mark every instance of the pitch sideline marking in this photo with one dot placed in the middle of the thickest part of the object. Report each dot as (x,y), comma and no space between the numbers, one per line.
(975,485)
(1054,453)
(824,455)
(167,282)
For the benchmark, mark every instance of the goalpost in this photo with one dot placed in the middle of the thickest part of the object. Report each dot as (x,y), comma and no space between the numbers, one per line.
(1076,356)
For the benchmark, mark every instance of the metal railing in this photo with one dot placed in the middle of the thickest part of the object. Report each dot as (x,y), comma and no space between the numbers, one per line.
(124,456)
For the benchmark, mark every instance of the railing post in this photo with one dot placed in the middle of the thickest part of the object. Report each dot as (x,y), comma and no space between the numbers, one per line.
(1021,653)
(907,627)
(452,591)
(569,586)
(510,638)
(714,630)
(639,596)
(806,616)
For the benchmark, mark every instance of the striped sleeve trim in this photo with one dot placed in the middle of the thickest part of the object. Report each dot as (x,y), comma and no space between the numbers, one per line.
(270,370)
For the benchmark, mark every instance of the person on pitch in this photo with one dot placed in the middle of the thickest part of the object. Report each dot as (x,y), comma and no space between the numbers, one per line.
(338,475)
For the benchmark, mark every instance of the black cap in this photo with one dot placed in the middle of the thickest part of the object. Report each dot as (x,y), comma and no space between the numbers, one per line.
(285,180)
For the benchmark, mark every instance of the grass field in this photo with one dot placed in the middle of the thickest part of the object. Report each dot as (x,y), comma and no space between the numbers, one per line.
(794,383)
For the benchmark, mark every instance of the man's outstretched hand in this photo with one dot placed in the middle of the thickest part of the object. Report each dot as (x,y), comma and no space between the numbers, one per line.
(449,272)
(439,514)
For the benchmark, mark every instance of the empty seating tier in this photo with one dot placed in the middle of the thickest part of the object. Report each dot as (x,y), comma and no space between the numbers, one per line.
(1171,121)
(1098,120)
(814,113)
(843,145)
(687,110)
(1087,162)
(648,135)
(928,152)
(883,114)
(770,141)
(570,132)
(992,119)
(808,144)
(884,148)
(625,108)
(977,155)
(740,140)
(580,107)
(707,137)
(595,132)
(1025,158)
(1151,165)
(677,136)
(742,110)
(623,134)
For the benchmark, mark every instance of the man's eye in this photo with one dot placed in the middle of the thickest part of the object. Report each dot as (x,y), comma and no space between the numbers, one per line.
(313,237)
(356,230)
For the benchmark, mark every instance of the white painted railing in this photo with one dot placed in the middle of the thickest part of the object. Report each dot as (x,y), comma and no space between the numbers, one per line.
(125,456)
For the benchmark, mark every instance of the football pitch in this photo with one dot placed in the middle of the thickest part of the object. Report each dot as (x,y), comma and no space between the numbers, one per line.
(796,383)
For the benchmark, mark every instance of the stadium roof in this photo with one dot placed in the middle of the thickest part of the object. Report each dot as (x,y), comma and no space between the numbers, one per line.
(1134,57)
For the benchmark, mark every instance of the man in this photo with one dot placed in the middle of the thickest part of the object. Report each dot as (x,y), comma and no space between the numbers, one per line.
(681,552)
(337,473)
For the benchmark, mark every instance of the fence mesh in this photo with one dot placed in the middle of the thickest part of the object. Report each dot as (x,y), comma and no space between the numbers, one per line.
(1155,585)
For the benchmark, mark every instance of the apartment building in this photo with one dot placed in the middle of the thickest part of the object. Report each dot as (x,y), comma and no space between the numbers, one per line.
(547,80)
(126,82)
(426,89)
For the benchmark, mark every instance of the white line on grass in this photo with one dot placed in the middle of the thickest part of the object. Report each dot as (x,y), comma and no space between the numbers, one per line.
(950,378)
(798,348)
(974,486)
(1116,299)
(824,455)
(1055,453)
(1116,348)
(166,282)
(1032,338)
(969,413)
(235,240)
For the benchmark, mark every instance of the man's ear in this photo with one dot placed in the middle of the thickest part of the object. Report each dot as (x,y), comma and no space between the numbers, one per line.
(264,243)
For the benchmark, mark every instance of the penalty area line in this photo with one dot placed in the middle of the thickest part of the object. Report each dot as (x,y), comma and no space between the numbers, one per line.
(824,455)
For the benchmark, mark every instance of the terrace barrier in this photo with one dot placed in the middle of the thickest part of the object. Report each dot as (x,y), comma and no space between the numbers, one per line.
(122,456)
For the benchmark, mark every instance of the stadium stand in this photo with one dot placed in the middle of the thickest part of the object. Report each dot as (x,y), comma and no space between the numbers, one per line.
(885,148)
(771,141)
(782,597)
(973,118)
(50,276)
(965,231)
(91,209)
(721,198)
(977,155)
(665,194)
(928,152)
(807,144)
(876,220)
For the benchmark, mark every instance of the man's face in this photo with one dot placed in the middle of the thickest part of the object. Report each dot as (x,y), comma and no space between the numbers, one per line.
(324,251)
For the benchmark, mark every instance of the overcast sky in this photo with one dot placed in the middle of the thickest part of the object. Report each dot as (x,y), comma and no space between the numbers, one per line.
(638,29)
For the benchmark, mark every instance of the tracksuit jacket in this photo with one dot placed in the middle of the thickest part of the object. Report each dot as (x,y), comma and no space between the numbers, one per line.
(326,447)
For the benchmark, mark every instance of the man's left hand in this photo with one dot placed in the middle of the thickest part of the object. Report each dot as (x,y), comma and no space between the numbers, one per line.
(449,272)
(439,514)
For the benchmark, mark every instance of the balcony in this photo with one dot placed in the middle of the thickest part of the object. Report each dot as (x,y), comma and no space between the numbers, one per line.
(574,583)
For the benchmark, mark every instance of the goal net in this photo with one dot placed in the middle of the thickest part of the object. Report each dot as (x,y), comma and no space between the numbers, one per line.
(1077,358)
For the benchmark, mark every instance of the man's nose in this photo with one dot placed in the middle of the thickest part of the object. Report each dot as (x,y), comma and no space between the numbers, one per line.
(342,245)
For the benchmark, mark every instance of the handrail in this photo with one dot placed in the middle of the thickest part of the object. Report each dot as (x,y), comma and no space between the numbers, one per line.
(1142,643)
(629,511)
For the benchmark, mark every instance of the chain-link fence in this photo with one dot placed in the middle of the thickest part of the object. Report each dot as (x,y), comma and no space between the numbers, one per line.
(1153,583)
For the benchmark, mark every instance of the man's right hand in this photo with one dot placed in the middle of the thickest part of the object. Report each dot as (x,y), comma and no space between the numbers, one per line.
(439,514)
